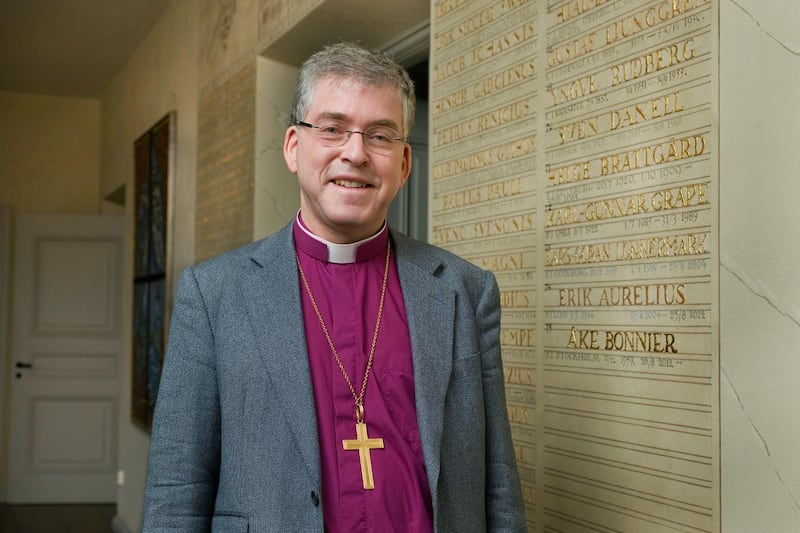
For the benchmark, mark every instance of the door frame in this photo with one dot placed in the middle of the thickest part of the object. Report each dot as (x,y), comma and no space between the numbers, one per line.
(100,380)
(5,301)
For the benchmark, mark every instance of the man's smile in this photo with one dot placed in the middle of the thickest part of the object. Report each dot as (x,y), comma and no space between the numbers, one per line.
(350,184)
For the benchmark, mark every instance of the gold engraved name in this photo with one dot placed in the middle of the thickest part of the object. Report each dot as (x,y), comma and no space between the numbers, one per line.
(453,100)
(657,154)
(529,494)
(443,7)
(651,16)
(518,415)
(504,80)
(454,133)
(486,193)
(504,189)
(484,228)
(505,152)
(488,121)
(517,337)
(569,173)
(499,263)
(649,110)
(515,299)
(577,131)
(476,22)
(501,44)
(470,25)
(628,341)
(518,376)
(643,295)
(462,199)
(517,148)
(574,8)
(450,68)
(467,163)
(574,89)
(669,246)
(678,197)
(500,117)
(653,61)
(572,50)
(447,235)
(646,248)
(623,295)
(582,254)
(504,226)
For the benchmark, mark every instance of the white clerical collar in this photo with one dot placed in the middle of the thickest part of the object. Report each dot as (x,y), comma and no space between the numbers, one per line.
(340,253)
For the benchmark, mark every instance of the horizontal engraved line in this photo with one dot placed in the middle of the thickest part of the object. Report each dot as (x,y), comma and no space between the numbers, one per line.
(599,184)
(662,139)
(629,399)
(685,86)
(701,56)
(631,236)
(631,374)
(631,467)
(685,429)
(627,445)
(619,509)
(622,281)
(595,526)
(627,491)
(602,49)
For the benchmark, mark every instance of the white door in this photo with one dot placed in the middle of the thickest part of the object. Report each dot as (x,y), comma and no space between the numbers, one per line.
(65,358)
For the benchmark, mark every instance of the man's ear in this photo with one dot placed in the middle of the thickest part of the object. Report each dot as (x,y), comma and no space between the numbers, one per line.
(406,165)
(290,149)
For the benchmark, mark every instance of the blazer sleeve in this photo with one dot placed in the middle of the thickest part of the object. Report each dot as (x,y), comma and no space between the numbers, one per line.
(183,467)
(505,511)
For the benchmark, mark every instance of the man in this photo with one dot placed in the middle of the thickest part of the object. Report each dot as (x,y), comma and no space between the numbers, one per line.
(336,376)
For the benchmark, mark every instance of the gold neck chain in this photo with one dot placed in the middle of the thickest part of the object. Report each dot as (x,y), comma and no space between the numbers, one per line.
(357,398)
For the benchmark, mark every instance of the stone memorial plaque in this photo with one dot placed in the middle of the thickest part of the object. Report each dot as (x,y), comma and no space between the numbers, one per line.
(574,154)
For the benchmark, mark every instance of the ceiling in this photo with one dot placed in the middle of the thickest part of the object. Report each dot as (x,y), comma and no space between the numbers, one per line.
(70,47)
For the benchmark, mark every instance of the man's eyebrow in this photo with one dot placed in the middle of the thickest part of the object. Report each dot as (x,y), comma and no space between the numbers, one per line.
(332,116)
(341,117)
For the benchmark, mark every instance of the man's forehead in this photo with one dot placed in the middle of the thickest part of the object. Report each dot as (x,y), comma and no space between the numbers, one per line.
(347,84)
(324,103)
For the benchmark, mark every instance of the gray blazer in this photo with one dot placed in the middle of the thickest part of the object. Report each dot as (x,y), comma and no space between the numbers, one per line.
(234,446)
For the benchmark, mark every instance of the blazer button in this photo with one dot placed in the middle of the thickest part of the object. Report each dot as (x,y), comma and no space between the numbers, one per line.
(315,498)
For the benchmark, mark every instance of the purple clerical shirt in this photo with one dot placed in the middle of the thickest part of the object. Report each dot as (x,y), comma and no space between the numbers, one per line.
(348,296)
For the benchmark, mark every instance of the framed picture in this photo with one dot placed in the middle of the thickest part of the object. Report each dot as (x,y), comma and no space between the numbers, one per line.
(153,155)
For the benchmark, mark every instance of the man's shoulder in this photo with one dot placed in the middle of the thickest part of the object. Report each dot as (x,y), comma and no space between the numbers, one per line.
(423,253)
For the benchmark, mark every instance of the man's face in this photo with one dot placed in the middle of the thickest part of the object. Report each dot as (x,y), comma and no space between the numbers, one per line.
(345,191)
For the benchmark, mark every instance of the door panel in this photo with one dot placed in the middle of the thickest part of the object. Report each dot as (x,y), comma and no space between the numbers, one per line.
(66,350)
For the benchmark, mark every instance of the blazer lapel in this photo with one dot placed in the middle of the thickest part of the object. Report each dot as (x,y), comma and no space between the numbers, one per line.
(271,294)
(430,306)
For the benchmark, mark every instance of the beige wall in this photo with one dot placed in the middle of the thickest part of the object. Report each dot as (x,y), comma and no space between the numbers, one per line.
(760,258)
(276,192)
(49,153)
(161,77)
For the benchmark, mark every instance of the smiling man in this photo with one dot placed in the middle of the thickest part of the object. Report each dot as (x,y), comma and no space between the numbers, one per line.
(336,376)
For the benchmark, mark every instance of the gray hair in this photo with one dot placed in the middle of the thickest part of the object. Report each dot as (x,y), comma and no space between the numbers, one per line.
(349,61)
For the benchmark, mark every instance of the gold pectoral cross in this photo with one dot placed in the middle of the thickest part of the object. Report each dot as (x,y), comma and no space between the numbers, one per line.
(363,444)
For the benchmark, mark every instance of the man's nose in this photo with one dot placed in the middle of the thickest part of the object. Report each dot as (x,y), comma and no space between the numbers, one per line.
(355,149)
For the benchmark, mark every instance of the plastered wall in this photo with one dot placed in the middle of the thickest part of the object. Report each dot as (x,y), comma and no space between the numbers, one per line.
(759,260)
(49,153)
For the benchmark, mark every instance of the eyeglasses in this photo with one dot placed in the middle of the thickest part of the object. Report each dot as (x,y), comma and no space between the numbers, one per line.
(380,139)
